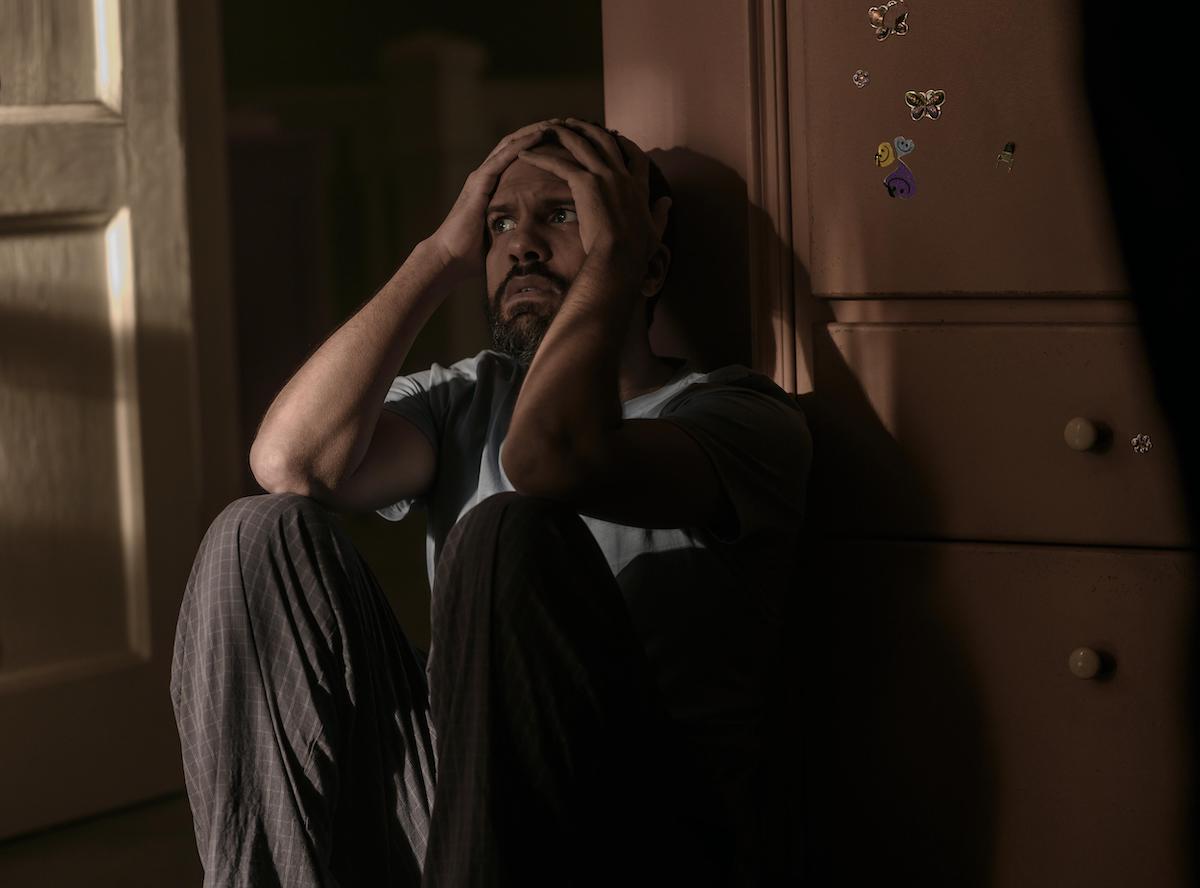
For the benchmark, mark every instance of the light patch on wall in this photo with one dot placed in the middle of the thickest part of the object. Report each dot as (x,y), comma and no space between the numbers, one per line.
(106,23)
(658,108)
(118,249)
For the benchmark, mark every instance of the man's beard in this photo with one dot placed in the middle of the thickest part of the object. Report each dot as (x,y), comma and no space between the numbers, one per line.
(520,333)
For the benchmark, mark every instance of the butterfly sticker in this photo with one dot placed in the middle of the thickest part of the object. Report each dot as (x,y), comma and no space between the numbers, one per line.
(925,104)
(888,19)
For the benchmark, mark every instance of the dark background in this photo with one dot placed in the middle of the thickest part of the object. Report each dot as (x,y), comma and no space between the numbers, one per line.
(276,43)
(350,131)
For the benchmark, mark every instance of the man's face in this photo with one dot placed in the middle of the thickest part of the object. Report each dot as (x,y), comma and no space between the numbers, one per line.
(534,253)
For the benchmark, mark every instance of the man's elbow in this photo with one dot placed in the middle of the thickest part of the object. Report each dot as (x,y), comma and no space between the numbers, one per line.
(539,471)
(275,471)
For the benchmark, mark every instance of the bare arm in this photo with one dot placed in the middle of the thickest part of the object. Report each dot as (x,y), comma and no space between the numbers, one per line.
(567,439)
(326,434)
(317,431)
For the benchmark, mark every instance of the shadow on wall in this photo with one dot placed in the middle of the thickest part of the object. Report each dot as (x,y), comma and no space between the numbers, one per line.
(1144,172)
(703,313)
(881,767)
(897,767)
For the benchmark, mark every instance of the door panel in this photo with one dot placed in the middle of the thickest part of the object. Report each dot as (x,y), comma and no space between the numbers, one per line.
(60,171)
(103,487)
(50,50)
(65,358)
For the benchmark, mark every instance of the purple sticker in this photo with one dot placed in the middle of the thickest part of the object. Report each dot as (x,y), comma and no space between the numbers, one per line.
(900,182)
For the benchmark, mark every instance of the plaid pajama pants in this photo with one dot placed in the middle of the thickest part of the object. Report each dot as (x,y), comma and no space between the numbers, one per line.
(531,748)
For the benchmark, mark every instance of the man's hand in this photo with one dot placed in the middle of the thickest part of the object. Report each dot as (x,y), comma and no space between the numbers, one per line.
(611,199)
(460,237)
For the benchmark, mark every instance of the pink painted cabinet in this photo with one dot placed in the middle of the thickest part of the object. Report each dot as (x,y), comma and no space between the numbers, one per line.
(984,504)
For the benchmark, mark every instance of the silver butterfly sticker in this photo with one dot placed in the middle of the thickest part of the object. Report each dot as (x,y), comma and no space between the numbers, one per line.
(888,19)
(925,104)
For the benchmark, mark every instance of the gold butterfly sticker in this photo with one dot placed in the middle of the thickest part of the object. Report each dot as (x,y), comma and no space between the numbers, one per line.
(925,104)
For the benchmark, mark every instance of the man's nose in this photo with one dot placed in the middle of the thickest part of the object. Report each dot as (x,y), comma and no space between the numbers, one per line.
(528,245)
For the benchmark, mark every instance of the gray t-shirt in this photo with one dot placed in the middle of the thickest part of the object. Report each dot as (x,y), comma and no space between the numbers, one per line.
(706,608)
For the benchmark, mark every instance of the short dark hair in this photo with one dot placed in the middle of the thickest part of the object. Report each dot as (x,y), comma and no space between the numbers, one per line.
(660,187)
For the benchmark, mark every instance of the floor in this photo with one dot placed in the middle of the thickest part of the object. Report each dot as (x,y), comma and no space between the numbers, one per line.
(148,846)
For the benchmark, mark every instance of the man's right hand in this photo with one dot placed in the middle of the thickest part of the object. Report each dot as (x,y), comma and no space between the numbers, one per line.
(460,237)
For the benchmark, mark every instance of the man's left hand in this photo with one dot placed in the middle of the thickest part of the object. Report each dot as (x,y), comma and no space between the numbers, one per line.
(612,200)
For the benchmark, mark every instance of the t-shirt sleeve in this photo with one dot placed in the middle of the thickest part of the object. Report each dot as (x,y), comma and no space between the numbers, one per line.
(410,397)
(759,443)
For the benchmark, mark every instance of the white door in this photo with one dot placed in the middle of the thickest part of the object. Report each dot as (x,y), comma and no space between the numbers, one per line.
(104,402)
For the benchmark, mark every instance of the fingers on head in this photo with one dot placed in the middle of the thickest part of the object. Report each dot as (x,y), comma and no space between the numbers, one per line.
(508,148)
(564,169)
(635,158)
(584,149)
(603,140)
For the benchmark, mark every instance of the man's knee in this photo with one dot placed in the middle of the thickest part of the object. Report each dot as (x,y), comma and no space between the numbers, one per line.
(231,566)
(515,517)
(259,517)
(511,501)
(516,538)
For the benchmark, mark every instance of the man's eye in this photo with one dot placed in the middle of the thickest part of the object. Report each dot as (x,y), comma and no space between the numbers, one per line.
(497,223)
(564,212)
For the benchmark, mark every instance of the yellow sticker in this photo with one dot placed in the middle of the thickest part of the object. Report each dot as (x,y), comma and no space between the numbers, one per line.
(884,155)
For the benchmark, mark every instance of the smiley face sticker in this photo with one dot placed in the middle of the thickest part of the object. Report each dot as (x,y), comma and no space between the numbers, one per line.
(900,182)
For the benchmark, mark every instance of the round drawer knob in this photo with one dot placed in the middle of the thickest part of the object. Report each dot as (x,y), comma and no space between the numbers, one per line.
(1084,663)
(1081,434)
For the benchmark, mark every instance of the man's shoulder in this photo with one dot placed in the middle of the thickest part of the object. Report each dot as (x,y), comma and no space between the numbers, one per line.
(731,380)
(484,367)
(484,376)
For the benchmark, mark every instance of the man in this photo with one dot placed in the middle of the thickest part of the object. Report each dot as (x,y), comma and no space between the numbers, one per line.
(609,536)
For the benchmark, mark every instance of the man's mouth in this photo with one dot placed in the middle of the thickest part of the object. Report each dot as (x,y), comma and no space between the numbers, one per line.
(530,285)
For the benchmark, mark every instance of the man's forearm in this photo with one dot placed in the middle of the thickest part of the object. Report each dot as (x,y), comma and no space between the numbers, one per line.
(320,424)
(570,398)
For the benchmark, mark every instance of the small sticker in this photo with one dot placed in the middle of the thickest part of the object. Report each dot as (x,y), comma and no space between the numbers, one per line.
(925,104)
(1006,155)
(884,155)
(888,19)
(904,146)
(860,78)
(900,182)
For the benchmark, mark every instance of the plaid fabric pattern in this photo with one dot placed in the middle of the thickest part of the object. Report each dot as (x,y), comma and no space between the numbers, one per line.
(302,710)
(307,719)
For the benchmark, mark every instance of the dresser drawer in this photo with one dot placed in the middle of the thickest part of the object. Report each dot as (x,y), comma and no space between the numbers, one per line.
(947,741)
(957,431)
